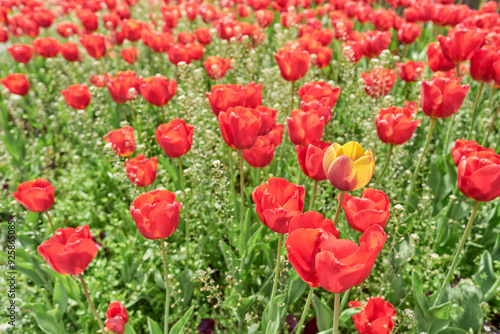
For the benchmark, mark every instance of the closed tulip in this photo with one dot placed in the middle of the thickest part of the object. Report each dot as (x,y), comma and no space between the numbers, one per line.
(379,82)
(175,137)
(129,54)
(223,97)
(124,87)
(88,19)
(442,97)
(69,251)
(267,117)
(116,317)
(217,67)
(481,64)
(469,148)
(239,127)
(203,35)
(376,317)
(372,208)
(310,159)
(348,167)
(341,264)
(261,153)
(395,125)
(70,52)
(158,90)
(35,195)
(479,178)
(410,71)
(21,52)
(141,171)
(47,47)
(77,96)
(306,233)
(156,214)
(293,64)
(318,91)
(122,141)
(95,44)
(320,108)
(277,202)
(374,42)
(408,32)
(16,83)
(304,127)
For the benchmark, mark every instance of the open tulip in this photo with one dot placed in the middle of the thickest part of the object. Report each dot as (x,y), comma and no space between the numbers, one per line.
(239,127)
(95,44)
(156,214)
(372,208)
(304,127)
(217,67)
(318,91)
(481,64)
(21,52)
(374,42)
(35,195)
(16,83)
(116,317)
(141,171)
(310,159)
(124,87)
(442,97)
(479,178)
(460,44)
(175,137)
(435,59)
(277,202)
(293,64)
(261,153)
(223,97)
(410,71)
(47,47)
(408,32)
(379,82)
(69,251)
(77,96)
(122,141)
(158,90)
(348,167)
(375,318)
(395,125)
(129,54)
(468,148)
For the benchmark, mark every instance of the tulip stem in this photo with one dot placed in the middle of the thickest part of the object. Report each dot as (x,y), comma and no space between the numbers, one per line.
(163,114)
(336,312)
(167,286)
(442,221)
(298,327)
(181,173)
(314,195)
(458,70)
(474,111)
(242,192)
(277,270)
(448,135)
(419,162)
(492,125)
(50,221)
(293,92)
(98,318)
(123,113)
(456,258)
(339,207)
(387,161)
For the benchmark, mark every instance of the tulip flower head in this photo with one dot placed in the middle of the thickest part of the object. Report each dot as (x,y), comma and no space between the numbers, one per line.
(122,141)
(217,67)
(175,137)
(158,90)
(21,52)
(261,153)
(460,44)
(479,178)
(305,127)
(372,208)
(116,317)
(348,167)
(310,159)
(395,125)
(69,251)
(223,97)
(469,148)
(293,64)
(141,171)
(239,127)
(376,316)
(16,83)
(35,195)
(442,97)
(77,96)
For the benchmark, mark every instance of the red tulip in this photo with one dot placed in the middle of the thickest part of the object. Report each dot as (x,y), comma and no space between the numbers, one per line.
(122,141)
(35,195)
(375,318)
(306,233)
(77,96)
(374,42)
(66,29)
(43,17)
(409,32)
(98,80)
(469,148)
(319,108)
(293,64)
(88,19)
(310,159)
(141,171)
(436,60)
(223,97)
(276,134)
(305,127)
(116,317)
(158,42)
(481,64)
(69,251)
(261,153)
(203,35)
(382,19)
(442,97)
(185,53)
(16,83)
(95,44)
(277,202)
(268,119)
(372,208)
(21,52)
(129,54)
(175,137)
(410,71)
(217,67)
(479,178)
(341,264)
(460,44)
(318,91)
(239,127)
(264,17)
(132,29)
(379,82)
(158,90)
(185,37)
(124,87)
(156,214)
(47,47)
(69,51)
(395,125)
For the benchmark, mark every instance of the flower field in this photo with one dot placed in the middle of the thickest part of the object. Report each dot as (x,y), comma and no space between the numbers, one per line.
(249,166)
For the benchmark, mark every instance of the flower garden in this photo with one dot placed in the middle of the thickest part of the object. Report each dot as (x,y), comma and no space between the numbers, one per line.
(250,166)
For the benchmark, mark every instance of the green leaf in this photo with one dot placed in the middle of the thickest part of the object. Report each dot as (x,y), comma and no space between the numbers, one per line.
(47,322)
(324,315)
(296,288)
(60,296)
(245,233)
(485,277)
(153,327)
(271,321)
(348,313)
(129,329)
(178,328)
(466,311)
(187,286)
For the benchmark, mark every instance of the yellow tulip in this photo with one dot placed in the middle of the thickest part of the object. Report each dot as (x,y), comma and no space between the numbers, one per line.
(348,167)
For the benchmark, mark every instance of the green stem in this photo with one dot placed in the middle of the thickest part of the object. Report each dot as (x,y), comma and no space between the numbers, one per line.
(445,215)
(181,173)
(277,273)
(448,135)
(457,69)
(96,315)
(458,252)
(293,92)
(50,221)
(339,208)
(492,125)
(167,286)
(336,312)
(314,195)
(163,114)
(474,111)
(419,162)
(298,327)
(242,192)
(387,161)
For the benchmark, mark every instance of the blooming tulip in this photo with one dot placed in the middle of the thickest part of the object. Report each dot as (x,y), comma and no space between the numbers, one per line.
(410,71)
(21,52)
(304,127)
(70,51)
(479,178)
(77,96)
(469,148)
(442,97)
(239,127)
(122,141)
(175,137)
(116,317)
(372,208)
(35,195)
(435,59)
(319,91)
(95,44)
(460,44)
(376,316)
(293,64)
(16,83)
(261,153)
(141,171)
(158,90)
(129,54)
(310,159)
(217,67)
(395,125)
(223,97)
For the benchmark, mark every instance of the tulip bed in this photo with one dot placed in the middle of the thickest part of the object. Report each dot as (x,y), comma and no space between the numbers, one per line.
(259,166)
